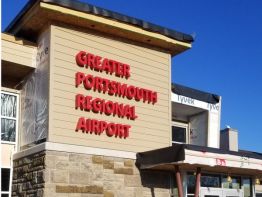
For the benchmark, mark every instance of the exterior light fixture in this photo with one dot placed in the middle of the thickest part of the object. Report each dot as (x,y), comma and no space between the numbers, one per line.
(257,181)
(229,179)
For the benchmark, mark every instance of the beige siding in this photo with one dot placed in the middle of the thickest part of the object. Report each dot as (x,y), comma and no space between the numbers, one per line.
(19,54)
(150,69)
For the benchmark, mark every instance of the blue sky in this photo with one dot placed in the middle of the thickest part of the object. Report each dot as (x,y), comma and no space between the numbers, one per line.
(226,57)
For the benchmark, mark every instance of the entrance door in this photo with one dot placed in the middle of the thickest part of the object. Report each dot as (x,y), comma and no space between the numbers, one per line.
(210,192)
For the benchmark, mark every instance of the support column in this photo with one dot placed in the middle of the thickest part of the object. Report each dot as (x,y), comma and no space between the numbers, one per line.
(179,182)
(198,177)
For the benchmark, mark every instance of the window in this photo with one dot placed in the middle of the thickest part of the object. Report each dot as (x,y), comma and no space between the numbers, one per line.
(210,180)
(246,186)
(191,184)
(179,132)
(5,181)
(9,127)
(9,114)
(234,184)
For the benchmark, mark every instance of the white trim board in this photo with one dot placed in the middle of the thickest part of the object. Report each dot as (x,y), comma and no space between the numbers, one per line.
(51,146)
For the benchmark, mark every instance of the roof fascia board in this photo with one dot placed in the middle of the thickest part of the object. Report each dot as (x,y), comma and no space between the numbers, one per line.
(113,23)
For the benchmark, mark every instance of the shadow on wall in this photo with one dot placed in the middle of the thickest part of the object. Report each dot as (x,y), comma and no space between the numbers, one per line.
(155,180)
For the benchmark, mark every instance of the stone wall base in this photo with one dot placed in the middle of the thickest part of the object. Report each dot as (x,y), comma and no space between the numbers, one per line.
(55,173)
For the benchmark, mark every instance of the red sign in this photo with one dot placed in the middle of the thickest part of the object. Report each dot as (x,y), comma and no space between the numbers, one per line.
(110,87)
(100,64)
(221,162)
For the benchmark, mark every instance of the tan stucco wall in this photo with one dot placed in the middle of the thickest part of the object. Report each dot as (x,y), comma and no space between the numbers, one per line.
(150,69)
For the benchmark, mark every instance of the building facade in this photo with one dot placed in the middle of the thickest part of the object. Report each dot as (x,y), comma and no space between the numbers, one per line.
(88,109)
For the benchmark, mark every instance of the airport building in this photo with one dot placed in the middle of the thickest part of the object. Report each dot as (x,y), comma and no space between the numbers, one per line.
(88,109)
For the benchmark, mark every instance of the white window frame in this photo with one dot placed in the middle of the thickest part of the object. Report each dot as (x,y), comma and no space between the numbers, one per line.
(182,125)
(15,143)
(11,118)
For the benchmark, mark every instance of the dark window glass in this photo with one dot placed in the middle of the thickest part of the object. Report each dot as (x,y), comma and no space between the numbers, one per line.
(178,134)
(234,184)
(4,195)
(246,185)
(209,180)
(8,130)
(5,174)
(191,182)
(8,105)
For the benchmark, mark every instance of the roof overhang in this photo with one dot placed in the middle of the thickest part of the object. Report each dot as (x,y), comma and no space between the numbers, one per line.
(38,14)
(189,157)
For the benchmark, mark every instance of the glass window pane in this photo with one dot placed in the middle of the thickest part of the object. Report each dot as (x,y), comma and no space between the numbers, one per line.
(178,134)
(234,184)
(4,195)
(246,185)
(5,174)
(8,130)
(191,182)
(209,180)
(8,105)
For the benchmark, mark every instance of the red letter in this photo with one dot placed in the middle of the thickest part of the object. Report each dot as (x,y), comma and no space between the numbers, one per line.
(154,97)
(96,103)
(103,126)
(126,130)
(126,70)
(81,124)
(79,78)
(81,58)
(96,127)
(98,63)
(131,92)
(90,60)
(89,82)
(88,103)
(120,131)
(80,101)
(111,129)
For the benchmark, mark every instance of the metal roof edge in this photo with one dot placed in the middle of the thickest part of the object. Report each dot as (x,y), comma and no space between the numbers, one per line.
(88,8)
(194,93)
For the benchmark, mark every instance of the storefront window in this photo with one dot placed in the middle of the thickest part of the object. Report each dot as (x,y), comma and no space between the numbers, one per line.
(209,180)
(8,117)
(246,185)
(233,184)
